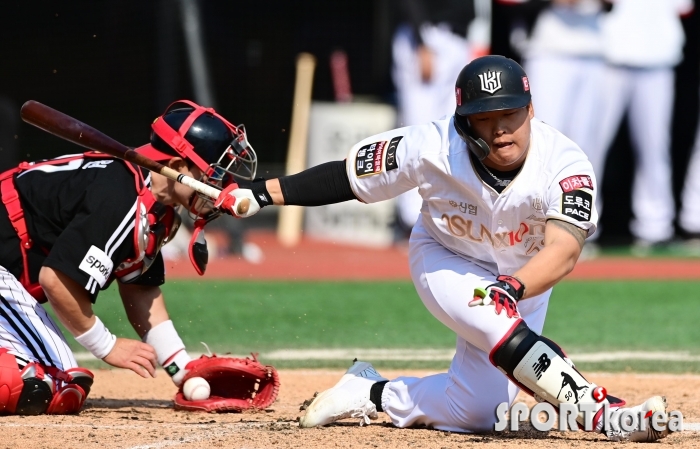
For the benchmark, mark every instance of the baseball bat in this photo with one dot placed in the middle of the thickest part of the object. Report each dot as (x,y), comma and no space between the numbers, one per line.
(73,130)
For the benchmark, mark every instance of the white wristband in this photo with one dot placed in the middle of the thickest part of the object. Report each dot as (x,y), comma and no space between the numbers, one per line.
(98,340)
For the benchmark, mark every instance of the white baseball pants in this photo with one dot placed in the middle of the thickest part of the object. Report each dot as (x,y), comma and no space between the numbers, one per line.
(647,96)
(466,397)
(689,217)
(26,330)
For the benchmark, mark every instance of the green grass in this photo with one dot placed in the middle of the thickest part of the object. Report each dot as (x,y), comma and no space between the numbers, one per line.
(260,316)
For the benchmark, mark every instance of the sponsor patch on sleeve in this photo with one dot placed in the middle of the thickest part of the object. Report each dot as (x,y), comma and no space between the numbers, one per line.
(97,264)
(577,204)
(391,162)
(576,182)
(370,159)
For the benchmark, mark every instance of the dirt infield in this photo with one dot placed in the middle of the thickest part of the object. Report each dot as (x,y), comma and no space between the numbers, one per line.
(125,411)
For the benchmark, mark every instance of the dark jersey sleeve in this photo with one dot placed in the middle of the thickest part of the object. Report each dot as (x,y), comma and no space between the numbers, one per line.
(100,234)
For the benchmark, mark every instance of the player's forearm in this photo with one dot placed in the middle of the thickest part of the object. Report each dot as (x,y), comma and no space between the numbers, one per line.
(547,268)
(144,305)
(68,299)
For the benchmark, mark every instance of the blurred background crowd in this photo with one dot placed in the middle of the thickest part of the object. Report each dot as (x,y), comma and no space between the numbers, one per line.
(621,78)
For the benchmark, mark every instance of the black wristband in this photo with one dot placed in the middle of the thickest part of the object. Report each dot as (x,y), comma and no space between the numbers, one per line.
(259,188)
(513,286)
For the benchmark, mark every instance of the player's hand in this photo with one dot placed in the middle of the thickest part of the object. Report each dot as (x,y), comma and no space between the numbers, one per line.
(504,295)
(135,355)
(425,60)
(238,202)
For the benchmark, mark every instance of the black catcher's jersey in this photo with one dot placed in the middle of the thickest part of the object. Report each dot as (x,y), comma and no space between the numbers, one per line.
(80,216)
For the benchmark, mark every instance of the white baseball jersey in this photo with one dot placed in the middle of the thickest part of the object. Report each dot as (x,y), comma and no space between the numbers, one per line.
(645,33)
(499,232)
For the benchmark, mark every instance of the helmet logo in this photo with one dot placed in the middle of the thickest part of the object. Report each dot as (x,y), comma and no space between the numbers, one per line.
(490,81)
(458,94)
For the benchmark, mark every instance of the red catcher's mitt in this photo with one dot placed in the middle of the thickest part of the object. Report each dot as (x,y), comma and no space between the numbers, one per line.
(236,384)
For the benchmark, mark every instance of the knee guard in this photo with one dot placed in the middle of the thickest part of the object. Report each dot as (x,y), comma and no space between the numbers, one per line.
(539,366)
(31,391)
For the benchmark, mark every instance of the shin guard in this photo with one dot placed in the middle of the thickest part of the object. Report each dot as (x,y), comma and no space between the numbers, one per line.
(538,366)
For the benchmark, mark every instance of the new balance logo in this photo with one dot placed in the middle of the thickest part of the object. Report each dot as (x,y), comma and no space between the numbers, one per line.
(490,82)
(541,365)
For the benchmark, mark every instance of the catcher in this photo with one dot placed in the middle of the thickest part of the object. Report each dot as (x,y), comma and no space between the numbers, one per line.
(74,224)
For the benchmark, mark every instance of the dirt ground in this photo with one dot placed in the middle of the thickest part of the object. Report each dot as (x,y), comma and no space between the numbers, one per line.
(125,411)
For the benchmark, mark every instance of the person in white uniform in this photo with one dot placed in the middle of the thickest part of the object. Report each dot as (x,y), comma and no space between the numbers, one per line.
(642,42)
(689,216)
(429,49)
(507,204)
(564,62)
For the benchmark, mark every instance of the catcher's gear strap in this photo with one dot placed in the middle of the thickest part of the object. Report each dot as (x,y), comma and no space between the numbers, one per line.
(170,350)
(324,184)
(538,366)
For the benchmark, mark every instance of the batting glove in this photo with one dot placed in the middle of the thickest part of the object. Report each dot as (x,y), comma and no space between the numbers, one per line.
(504,295)
(238,202)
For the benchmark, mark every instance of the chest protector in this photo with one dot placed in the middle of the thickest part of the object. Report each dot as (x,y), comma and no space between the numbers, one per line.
(155,224)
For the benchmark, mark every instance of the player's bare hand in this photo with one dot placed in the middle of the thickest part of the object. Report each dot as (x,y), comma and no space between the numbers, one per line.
(425,61)
(135,355)
(503,295)
(238,202)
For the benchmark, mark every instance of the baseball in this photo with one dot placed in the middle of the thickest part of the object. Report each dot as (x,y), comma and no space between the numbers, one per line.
(196,389)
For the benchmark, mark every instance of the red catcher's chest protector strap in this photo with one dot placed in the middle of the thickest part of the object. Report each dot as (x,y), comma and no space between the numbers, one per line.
(10,198)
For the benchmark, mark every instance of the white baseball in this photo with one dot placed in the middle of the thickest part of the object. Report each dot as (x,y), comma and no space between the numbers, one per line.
(196,389)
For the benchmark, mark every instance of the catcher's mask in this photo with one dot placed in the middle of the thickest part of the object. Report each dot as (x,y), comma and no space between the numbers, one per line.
(218,148)
(489,83)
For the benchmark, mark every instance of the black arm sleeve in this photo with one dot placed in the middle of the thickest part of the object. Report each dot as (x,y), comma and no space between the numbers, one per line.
(324,184)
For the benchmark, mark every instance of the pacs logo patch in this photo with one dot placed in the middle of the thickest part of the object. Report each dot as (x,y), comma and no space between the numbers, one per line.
(370,159)
(97,264)
(577,205)
(576,182)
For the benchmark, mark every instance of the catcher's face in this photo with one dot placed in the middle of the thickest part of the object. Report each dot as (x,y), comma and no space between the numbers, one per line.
(508,134)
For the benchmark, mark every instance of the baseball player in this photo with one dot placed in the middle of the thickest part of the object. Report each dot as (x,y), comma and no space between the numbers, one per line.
(507,204)
(642,42)
(429,49)
(74,224)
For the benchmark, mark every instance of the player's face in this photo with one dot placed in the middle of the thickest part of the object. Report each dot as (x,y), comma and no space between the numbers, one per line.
(507,133)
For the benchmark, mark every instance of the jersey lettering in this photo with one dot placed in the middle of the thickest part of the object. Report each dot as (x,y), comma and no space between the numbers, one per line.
(391,162)
(577,205)
(459,227)
(98,164)
(97,264)
(576,182)
(370,159)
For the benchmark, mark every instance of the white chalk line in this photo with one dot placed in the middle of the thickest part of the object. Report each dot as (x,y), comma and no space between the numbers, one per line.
(348,354)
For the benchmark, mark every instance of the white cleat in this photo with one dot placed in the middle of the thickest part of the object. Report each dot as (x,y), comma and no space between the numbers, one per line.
(642,433)
(349,398)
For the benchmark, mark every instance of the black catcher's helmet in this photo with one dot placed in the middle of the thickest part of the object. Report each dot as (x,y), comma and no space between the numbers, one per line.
(204,138)
(489,83)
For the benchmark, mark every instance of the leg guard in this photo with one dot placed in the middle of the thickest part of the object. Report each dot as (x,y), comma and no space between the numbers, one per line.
(538,366)
(72,388)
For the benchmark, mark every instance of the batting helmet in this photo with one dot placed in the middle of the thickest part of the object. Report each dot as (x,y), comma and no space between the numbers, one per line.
(489,83)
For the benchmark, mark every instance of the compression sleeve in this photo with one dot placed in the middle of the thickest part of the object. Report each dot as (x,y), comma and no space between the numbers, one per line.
(324,184)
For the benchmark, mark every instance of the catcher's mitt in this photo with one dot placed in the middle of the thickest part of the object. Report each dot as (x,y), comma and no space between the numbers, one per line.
(236,384)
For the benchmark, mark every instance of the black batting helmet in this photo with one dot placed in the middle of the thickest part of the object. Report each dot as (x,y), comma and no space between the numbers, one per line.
(489,83)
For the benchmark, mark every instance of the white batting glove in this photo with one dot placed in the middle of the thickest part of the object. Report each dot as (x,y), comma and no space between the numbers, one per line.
(238,202)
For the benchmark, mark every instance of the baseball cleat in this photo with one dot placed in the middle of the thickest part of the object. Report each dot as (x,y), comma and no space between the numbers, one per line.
(349,398)
(641,433)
